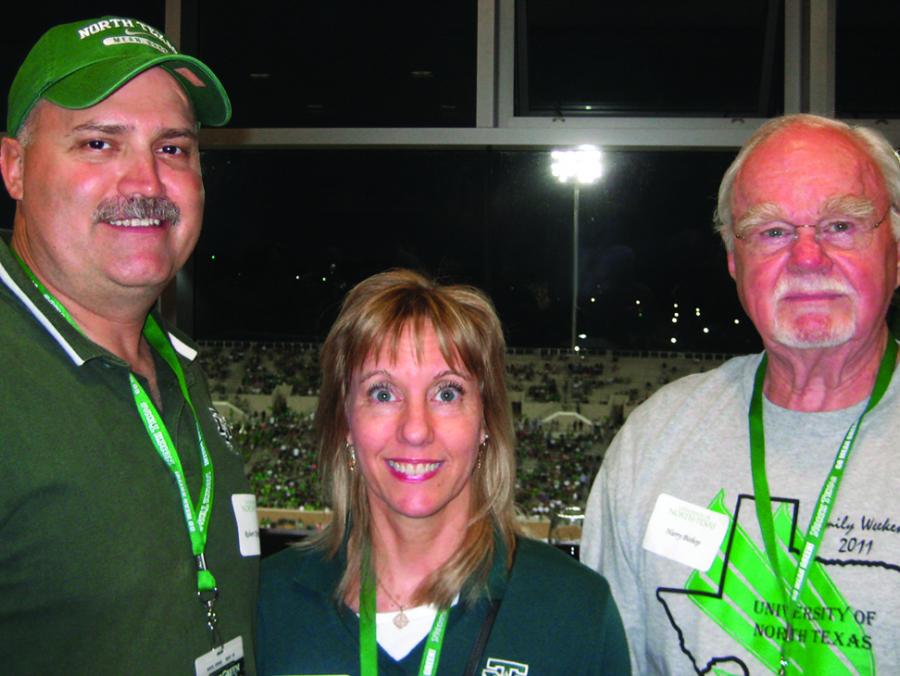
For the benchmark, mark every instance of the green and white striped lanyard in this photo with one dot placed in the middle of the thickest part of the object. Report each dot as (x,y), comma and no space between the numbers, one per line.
(368,648)
(827,496)
(197,517)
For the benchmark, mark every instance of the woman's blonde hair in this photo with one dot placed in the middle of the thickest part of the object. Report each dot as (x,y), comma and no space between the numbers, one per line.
(372,317)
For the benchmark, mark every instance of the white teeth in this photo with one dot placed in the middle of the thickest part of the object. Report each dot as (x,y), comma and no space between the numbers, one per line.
(413,468)
(136,222)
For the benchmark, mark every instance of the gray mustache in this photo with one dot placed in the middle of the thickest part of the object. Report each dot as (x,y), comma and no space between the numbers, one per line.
(160,208)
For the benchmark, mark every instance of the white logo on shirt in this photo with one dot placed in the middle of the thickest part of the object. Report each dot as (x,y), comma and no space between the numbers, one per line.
(498,667)
(222,427)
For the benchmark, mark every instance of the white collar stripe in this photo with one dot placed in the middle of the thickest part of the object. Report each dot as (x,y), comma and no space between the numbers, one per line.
(182,348)
(40,316)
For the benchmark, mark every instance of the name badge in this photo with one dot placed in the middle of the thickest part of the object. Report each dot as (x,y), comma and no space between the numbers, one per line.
(244,505)
(685,533)
(224,660)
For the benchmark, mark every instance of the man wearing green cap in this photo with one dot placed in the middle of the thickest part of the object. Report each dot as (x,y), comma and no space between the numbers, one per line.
(130,542)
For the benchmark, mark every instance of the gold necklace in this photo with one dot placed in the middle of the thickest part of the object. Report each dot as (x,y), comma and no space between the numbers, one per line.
(400,619)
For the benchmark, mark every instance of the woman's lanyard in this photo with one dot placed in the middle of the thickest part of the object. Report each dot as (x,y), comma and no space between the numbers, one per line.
(196,518)
(827,496)
(368,647)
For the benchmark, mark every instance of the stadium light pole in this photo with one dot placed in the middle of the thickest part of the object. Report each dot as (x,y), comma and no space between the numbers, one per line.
(580,166)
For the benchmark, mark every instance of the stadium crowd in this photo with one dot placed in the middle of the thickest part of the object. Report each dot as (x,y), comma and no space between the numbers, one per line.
(556,458)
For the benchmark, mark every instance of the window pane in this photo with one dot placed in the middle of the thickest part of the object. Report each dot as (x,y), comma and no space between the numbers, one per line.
(866,56)
(348,63)
(645,235)
(650,57)
(288,232)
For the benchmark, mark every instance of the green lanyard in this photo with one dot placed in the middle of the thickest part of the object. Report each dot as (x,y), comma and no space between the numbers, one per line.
(195,518)
(368,648)
(828,494)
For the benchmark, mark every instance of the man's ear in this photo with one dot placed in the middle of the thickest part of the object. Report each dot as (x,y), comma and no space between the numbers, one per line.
(730,257)
(12,165)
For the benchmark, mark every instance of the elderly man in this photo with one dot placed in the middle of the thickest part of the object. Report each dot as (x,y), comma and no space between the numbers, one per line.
(129,534)
(748,519)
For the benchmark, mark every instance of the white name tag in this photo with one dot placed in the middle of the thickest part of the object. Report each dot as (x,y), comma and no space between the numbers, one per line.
(225,660)
(684,532)
(244,505)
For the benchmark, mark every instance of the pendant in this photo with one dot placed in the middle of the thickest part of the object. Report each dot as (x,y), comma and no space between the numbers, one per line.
(400,619)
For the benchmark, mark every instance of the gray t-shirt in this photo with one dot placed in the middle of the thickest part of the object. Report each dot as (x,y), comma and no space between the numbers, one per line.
(724,615)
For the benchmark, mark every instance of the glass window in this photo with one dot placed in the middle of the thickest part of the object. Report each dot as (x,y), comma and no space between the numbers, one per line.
(646,244)
(866,57)
(650,57)
(289,232)
(346,63)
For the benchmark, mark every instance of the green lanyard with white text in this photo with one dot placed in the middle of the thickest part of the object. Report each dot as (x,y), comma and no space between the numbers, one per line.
(828,494)
(368,648)
(196,518)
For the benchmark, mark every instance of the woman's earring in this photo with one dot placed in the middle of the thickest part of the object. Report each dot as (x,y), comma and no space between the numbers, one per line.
(482,447)
(351,456)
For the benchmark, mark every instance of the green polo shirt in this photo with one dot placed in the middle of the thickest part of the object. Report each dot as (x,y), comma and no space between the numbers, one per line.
(555,617)
(96,570)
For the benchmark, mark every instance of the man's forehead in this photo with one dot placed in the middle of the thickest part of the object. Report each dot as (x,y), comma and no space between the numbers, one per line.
(800,137)
(801,167)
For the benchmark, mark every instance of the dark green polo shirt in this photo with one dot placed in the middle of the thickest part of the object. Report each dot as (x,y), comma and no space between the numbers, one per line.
(555,617)
(96,570)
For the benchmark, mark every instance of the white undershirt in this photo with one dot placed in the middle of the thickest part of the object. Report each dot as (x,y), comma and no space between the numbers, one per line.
(398,643)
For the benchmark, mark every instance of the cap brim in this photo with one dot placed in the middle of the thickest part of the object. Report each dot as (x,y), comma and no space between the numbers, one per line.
(88,86)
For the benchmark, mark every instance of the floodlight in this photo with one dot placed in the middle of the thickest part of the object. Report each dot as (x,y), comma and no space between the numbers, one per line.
(580,165)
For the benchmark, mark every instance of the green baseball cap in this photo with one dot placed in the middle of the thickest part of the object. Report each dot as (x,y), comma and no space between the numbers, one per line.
(77,65)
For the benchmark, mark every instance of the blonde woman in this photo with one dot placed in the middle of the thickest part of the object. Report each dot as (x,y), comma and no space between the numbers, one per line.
(421,569)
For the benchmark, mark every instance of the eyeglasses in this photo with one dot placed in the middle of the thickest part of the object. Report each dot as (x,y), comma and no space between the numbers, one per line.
(836,231)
